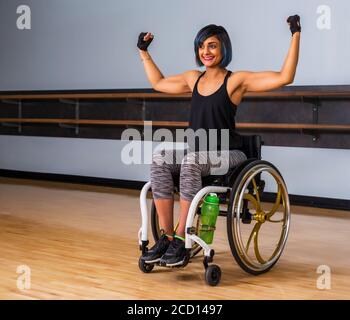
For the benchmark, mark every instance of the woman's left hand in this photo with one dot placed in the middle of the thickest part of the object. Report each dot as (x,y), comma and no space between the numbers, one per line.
(294,23)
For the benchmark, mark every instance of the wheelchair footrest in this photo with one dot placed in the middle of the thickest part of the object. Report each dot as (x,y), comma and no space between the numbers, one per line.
(180,264)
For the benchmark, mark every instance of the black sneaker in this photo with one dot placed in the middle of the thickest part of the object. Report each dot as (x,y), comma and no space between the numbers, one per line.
(175,255)
(154,254)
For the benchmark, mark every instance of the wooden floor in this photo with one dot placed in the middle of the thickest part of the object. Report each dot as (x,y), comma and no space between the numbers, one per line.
(80,242)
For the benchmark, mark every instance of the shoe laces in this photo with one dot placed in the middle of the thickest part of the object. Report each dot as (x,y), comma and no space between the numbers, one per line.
(175,246)
(161,243)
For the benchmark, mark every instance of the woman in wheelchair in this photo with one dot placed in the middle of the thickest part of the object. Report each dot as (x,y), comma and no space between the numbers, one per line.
(216,93)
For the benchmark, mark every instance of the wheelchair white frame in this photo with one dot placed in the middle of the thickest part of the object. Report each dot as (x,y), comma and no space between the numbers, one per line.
(189,238)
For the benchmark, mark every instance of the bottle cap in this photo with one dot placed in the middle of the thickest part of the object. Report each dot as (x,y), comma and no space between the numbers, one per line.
(212,198)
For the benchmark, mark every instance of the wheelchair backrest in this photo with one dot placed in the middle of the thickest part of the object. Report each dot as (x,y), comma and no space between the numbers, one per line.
(252,146)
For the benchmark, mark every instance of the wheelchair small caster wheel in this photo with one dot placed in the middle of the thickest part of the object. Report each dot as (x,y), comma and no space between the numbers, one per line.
(213,275)
(145,267)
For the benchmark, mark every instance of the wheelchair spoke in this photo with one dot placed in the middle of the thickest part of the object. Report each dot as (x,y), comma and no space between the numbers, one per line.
(252,234)
(275,206)
(278,245)
(251,198)
(276,221)
(256,248)
(256,190)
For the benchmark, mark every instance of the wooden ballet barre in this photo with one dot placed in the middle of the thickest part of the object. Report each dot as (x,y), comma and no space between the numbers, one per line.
(184,124)
(158,95)
(97,122)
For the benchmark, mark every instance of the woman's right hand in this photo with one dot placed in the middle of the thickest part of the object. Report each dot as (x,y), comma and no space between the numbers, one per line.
(145,39)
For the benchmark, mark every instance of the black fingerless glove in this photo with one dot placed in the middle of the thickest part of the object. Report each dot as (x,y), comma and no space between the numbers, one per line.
(142,44)
(294,23)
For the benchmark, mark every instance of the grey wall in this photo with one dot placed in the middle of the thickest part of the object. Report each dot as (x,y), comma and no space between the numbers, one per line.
(89,44)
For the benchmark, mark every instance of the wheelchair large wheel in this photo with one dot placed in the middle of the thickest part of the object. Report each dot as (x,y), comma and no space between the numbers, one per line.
(257,230)
(156,229)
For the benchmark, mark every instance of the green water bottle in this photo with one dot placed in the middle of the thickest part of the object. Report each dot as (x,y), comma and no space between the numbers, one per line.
(209,213)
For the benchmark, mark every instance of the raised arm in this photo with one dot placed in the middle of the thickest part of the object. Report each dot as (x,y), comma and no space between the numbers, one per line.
(270,80)
(173,84)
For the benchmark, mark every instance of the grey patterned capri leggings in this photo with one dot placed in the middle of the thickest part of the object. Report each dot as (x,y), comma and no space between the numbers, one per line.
(191,166)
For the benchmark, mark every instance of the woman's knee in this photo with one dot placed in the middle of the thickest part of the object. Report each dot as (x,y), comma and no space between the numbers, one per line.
(162,189)
(190,180)
(161,178)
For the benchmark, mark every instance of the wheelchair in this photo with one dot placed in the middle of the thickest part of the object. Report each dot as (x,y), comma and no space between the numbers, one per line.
(257,219)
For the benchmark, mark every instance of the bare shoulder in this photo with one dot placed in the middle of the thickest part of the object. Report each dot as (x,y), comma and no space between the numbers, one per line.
(191,77)
(238,77)
(235,89)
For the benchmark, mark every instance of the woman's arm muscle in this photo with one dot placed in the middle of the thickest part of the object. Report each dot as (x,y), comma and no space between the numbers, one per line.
(176,84)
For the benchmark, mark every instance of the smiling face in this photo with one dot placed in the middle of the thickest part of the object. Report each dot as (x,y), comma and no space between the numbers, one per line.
(210,52)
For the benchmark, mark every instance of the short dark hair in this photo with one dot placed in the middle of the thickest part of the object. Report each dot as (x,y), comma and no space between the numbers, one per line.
(220,32)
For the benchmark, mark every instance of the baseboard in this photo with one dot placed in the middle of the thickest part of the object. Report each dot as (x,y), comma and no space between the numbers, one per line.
(117,183)
(309,201)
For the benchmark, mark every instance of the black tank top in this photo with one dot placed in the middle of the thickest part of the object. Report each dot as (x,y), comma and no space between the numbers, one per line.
(215,111)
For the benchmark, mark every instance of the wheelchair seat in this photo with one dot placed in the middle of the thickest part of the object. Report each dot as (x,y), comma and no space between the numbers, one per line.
(251,146)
